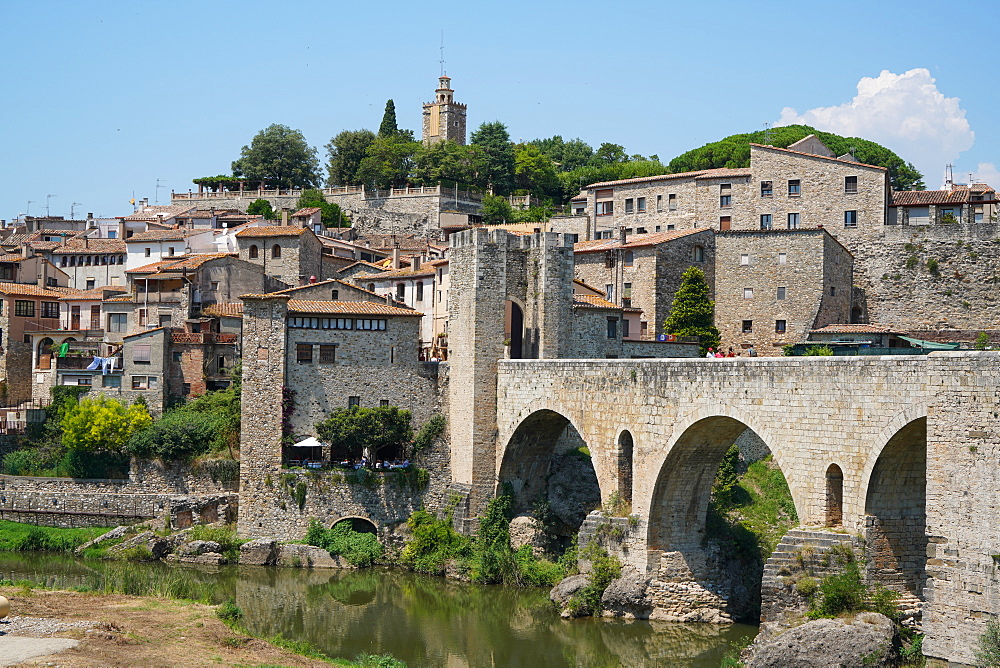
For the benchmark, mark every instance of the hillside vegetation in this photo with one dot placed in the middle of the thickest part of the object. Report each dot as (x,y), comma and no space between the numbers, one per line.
(734,151)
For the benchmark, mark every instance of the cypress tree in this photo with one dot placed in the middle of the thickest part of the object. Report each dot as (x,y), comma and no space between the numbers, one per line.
(388,127)
(693,313)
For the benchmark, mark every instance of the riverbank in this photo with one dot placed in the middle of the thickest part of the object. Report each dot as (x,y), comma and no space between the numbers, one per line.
(114,629)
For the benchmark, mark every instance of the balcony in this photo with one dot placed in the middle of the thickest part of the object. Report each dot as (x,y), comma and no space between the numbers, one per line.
(80,362)
(202,337)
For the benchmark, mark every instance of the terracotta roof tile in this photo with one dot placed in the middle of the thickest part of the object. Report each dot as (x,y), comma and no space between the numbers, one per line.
(224,310)
(853,329)
(329,281)
(361,262)
(11,257)
(593,301)
(349,308)
(164,235)
(700,174)
(123,298)
(74,246)
(305,212)
(272,231)
(31,290)
(589,287)
(154,213)
(926,197)
(94,294)
(400,273)
(634,241)
(179,263)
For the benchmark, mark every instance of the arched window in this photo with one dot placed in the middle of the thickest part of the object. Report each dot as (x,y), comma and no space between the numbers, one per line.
(276,251)
(253,252)
(834,496)
(371,287)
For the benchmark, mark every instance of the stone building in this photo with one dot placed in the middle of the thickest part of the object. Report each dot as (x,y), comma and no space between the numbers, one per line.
(444,119)
(285,253)
(772,287)
(974,203)
(89,263)
(643,271)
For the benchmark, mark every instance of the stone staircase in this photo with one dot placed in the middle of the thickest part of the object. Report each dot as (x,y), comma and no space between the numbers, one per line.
(806,549)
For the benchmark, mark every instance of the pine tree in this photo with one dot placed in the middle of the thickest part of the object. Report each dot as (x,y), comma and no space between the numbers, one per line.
(388,127)
(693,313)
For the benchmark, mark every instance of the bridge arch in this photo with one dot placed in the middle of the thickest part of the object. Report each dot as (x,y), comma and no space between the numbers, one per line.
(358,524)
(625,461)
(530,460)
(680,493)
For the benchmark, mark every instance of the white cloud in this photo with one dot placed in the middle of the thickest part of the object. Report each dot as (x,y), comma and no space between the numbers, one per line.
(904,112)
(986,172)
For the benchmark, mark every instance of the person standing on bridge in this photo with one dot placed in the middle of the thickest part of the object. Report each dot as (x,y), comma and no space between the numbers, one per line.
(710,354)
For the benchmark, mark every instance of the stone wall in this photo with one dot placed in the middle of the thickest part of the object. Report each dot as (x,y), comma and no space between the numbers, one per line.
(590,333)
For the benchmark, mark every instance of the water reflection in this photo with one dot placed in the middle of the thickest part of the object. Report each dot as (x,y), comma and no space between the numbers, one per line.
(423,620)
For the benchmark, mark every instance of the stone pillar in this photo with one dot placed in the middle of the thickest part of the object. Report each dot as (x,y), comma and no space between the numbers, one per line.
(264,355)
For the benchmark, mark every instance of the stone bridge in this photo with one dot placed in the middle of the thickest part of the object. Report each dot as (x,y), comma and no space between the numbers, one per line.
(905,445)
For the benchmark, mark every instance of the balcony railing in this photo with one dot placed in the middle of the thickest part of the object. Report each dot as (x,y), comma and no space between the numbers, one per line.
(202,337)
(80,363)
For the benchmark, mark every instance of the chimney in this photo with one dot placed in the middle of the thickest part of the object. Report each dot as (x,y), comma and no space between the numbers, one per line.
(284,216)
(415,263)
(121,228)
(90,216)
(86,241)
(622,235)
(395,257)
(145,202)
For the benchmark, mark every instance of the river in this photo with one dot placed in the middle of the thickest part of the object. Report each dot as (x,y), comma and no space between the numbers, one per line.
(423,620)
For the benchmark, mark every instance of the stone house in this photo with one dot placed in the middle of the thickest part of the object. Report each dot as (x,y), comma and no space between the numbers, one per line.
(310,217)
(31,269)
(285,253)
(643,271)
(157,245)
(145,360)
(956,204)
(772,287)
(422,287)
(876,336)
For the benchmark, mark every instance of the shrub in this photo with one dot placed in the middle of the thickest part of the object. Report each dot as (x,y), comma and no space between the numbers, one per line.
(806,586)
(604,569)
(225,536)
(846,592)
(912,261)
(988,649)
(933,267)
(982,340)
(360,549)
(818,351)
(230,613)
(434,542)
(177,436)
(429,431)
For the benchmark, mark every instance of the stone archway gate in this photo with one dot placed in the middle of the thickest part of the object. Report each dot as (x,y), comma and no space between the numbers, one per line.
(811,412)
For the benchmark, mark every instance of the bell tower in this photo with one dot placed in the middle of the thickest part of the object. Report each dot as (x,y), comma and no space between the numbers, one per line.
(444,119)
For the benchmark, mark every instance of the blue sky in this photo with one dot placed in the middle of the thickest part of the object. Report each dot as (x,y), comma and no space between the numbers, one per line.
(104,98)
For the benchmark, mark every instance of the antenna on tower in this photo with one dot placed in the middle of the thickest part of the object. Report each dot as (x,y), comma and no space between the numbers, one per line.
(72,210)
(767,133)
(442,53)
(158,186)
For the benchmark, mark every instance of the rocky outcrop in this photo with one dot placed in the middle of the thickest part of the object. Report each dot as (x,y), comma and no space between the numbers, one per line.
(524,530)
(573,492)
(309,556)
(869,639)
(259,552)
(628,596)
(158,546)
(114,534)
(205,558)
(197,547)
(564,591)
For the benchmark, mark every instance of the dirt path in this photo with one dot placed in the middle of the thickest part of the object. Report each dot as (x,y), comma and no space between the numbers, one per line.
(132,631)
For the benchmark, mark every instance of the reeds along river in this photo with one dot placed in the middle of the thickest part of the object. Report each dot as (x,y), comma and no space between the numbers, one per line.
(425,621)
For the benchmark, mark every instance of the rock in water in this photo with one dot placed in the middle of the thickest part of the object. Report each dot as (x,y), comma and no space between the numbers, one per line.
(259,552)
(628,596)
(564,591)
(865,641)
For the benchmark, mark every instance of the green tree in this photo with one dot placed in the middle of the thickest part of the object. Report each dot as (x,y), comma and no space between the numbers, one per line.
(534,171)
(279,157)
(565,155)
(102,425)
(496,210)
(388,161)
(693,313)
(261,207)
(179,435)
(447,161)
(388,127)
(344,155)
(331,215)
(498,157)
(610,154)
(353,430)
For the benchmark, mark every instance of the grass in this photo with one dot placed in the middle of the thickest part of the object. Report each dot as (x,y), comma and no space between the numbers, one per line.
(18,537)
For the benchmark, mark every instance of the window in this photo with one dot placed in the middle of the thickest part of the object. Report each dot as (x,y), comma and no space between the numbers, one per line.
(383,403)
(747,327)
(605,208)
(186,389)
(84,380)
(629,258)
(624,328)
(850,219)
(766,189)
(793,221)
(609,292)
(612,328)
(725,223)
(782,258)
(794,187)
(745,259)
(850,185)
(698,254)
(50,309)
(91,284)
(659,203)
(833,290)
(610,259)
(304,353)
(170,250)
(747,293)
(24,308)
(327,354)
(221,363)
(142,317)
(144,382)
(164,320)
(253,252)
(141,354)
(725,201)
(148,252)
(779,326)
(178,355)
(117,322)
(112,380)
(640,204)
(276,251)
(400,291)
(629,205)
(369,324)
(765,221)
(781,293)
(213,285)
(627,295)
(353,401)
(671,202)
(420,291)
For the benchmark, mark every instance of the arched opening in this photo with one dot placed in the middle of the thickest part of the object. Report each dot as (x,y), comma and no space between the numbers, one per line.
(514,329)
(895,509)
(358,525)
(625,448)
(253,253)
(547,467)
(719,507)
(834,496)
(43,358)
(276,251)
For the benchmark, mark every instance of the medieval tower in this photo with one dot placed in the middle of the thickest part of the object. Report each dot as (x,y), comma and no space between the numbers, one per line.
(444,119)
